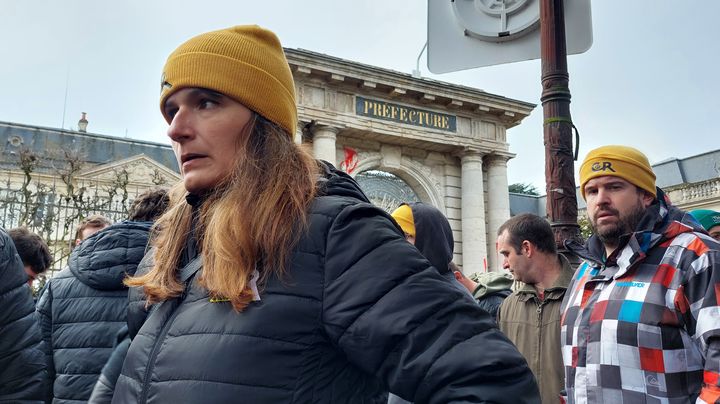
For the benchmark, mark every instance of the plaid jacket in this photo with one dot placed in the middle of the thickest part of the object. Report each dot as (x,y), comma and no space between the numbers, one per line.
(644,325)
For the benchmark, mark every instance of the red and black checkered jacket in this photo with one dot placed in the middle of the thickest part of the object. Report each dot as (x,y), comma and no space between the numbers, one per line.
(643,325)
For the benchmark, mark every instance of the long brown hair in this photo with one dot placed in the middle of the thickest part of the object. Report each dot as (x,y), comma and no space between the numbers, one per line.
(254,215)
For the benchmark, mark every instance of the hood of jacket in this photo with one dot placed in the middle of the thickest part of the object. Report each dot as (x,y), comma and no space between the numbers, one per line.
(103,260)
(433,235)
(492,282)
(333,182)
(661,222)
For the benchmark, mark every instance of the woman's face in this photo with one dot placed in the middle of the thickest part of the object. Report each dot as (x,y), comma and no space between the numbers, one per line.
(205,129)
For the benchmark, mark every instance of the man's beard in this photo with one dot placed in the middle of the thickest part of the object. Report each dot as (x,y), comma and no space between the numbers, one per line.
(610,234)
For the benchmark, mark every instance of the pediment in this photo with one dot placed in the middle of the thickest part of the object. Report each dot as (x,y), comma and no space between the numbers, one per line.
(140,169)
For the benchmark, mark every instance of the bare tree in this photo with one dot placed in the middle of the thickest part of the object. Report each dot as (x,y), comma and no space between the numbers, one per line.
(51,199)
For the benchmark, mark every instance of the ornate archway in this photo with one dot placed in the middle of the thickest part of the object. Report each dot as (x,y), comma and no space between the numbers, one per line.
(385,190)
(420,179)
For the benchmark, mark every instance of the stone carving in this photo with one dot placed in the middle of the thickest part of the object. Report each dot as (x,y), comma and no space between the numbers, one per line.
(140,169)
(425,177)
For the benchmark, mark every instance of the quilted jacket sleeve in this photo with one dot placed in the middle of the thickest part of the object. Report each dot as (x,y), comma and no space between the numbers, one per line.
(23,371)
(395,316)
(43,313)
(137,309)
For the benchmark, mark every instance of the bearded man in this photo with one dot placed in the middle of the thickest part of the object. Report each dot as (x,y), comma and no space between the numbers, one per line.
(641,317)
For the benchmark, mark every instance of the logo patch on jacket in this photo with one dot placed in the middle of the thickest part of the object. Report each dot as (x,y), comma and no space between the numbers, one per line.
(630,284)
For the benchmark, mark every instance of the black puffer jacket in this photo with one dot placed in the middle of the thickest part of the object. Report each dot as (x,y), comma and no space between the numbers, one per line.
(434,239)
(84,306)
(23,371)
(360,313)
(105,386)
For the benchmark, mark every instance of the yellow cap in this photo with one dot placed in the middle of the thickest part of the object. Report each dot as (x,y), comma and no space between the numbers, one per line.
(245,62)
(404,217)
(618,161)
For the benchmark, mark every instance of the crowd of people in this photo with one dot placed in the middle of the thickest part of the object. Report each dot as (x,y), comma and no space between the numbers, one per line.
(266,276)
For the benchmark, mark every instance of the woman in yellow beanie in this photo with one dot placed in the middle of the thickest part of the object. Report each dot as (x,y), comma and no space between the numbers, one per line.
(272,279)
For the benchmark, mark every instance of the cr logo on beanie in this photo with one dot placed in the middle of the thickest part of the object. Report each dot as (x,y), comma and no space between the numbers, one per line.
(618,161)
(605,165)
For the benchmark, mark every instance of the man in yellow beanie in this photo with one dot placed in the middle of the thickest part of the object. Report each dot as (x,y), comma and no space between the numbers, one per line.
(641,319)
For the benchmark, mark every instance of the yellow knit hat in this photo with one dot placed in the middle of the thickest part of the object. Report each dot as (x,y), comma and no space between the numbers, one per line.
(245,63)
(619,161)
(404,217)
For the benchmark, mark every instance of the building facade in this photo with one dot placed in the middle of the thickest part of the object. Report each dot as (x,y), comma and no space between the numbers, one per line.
(435,142)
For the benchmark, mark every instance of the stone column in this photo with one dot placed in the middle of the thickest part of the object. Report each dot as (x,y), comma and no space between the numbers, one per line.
(324,143)
(474,244)
(498,204)
(298,135)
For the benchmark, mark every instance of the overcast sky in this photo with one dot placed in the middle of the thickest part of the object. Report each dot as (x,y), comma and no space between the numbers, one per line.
(650,80)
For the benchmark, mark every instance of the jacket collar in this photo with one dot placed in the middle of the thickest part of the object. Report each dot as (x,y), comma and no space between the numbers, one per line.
(557,290)
(661,222)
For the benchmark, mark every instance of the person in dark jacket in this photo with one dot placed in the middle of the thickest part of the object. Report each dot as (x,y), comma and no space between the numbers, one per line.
(87,227)
(33,251)
(274,280)
(147,207)
(105,386)
(488,288)
(84,306)
(23,371)
(429,231)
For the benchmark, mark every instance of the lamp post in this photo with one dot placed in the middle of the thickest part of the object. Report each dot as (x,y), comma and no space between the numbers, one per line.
(557,124)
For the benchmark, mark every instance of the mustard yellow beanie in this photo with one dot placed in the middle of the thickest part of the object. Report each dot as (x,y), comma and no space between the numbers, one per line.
(404,217)
(245,63)
(619,161)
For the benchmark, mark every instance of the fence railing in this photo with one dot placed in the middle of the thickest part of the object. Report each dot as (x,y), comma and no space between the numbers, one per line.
(53,210)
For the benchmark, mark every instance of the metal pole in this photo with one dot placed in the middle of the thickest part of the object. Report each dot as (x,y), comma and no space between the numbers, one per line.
(557,125)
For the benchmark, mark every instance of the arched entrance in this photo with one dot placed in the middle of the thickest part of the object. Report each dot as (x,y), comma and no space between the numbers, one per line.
(385,190)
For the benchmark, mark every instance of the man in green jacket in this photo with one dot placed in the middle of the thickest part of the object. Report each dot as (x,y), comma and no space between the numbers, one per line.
(530,317)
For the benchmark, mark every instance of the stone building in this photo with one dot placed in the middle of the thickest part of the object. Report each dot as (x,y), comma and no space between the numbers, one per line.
(50,179)
(407,138)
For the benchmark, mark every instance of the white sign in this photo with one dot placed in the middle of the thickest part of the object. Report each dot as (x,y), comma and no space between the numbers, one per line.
(463,34)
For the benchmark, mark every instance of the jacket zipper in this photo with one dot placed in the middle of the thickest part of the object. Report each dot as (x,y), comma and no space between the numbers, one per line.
(156,346)
(539,333)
